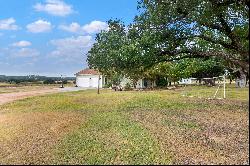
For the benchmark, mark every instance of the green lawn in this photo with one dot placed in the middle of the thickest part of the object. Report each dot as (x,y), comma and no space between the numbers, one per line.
(151,127)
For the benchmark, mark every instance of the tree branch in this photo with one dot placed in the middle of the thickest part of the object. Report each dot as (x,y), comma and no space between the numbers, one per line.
(226,29)
(182,54)
(213,26)
(221,42)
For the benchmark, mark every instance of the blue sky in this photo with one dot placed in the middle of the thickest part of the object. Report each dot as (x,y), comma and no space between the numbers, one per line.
(51,37)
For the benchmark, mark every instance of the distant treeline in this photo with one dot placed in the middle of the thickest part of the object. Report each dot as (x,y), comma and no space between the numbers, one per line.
(35,79)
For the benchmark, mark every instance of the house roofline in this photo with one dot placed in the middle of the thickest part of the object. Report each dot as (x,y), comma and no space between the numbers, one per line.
(88,74)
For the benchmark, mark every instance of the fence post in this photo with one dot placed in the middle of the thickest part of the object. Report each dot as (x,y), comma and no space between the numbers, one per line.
(224,86)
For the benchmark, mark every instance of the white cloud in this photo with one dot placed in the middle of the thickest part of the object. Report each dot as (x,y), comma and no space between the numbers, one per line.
(73,27)
(54,7)
(80,41)
(93,27)
(24,52)
(39,26)
(22,43)
(8,24)
(71,49)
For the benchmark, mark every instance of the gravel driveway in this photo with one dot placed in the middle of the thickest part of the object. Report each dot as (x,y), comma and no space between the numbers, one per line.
(9,97)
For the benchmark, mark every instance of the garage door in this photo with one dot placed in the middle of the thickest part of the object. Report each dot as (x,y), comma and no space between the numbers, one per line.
(87,82)
(82,82)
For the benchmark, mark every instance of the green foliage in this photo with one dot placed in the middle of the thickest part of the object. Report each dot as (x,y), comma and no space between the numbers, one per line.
(114,78)
(108,85)
(173,29)
(173,71)
(49,81)
(207,68)
(198,38)
(127,87)
(105,55)
(161,82)
(65,81)
(16,81)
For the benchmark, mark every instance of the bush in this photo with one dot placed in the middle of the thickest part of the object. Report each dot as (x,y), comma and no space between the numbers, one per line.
(65,81)
(108,85)
(162,82)
(49,81)
(16,81)
(128,87)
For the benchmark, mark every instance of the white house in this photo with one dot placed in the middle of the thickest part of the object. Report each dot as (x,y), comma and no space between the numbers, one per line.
(141,83)
(187,81)
(88,78)
(240,82)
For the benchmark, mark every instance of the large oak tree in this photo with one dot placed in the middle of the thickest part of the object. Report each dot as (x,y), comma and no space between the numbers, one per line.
(177,29)
(172,31)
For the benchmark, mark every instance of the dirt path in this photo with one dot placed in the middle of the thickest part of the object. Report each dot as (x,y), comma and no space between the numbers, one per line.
(9,97)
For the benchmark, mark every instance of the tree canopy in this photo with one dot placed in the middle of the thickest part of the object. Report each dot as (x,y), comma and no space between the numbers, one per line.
(208,33)
(178,29)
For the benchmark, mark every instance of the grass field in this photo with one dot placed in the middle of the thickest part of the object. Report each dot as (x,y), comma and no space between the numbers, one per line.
(151,127)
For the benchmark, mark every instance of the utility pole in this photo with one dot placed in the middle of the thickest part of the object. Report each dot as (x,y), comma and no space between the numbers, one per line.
(98,89)
(62,82)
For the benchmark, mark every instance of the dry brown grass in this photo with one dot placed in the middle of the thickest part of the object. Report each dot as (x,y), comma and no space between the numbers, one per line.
(13,88)
(153,127)
(204,136)
(28,138)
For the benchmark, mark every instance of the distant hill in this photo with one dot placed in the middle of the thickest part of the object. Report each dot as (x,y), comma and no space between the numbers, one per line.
(32,78)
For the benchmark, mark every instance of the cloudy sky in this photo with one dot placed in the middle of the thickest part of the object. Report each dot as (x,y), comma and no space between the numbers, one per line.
(51,37)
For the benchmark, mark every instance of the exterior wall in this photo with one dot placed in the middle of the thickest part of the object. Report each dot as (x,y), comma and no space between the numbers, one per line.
(89,81)
(240,83)
(124,81)
(188,81)
(141,83)
(144,83)
(185,81)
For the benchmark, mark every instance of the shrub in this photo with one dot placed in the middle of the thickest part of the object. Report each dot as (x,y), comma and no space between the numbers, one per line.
(49,81)
(128,87)
(108,85)
(161,82)
(65,81)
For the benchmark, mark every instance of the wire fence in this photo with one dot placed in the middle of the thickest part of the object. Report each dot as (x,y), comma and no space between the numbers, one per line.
(215,92)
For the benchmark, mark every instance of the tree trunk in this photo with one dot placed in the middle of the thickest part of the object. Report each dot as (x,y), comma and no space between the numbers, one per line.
(134,84)
(199,80)
(98,89)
